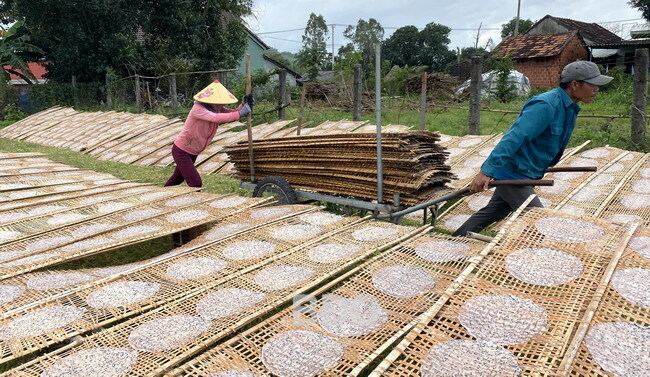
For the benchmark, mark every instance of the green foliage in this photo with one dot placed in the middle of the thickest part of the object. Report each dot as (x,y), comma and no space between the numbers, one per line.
(401,48)
(468,52)
(313,54)
(395,82)
(508,29)
(263,87)
(364,38)
(502,68)
(85,38)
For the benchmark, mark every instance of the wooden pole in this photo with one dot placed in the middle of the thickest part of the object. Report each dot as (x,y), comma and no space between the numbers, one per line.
(148,94)
(283,92)
(303,94)
(475,96)
(249,127)
(356,103)
(423,100)
(109,97)
(640,98)
(138,103)
(172,91)
(74,91)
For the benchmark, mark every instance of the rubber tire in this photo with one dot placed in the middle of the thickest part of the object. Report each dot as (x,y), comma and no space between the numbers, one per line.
(286,194)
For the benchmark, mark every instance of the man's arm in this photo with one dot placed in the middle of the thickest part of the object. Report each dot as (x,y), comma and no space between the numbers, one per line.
(533,120)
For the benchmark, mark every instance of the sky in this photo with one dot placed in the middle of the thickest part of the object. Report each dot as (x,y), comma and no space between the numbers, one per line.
(463,16)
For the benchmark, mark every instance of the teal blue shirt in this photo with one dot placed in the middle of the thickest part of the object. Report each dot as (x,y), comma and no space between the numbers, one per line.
(536,140)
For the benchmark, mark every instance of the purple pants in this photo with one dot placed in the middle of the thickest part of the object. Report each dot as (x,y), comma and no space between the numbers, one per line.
(185,170)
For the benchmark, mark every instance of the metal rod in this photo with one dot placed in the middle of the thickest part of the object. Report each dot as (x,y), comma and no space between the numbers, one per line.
(571,168)
(464,192)
(380,167)
(249,127)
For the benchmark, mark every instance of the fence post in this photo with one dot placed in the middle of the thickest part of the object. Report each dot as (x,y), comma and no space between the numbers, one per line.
(74,91)
(640,98)
(356,113)
(172,91)
(283,92)
(302,107)
(138,104)
(423,100)
(109,97)
(475,96)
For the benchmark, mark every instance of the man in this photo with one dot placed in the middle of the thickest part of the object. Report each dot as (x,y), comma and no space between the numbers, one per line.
(534,142)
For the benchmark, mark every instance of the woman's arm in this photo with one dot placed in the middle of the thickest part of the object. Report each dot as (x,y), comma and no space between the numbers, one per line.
(201,112)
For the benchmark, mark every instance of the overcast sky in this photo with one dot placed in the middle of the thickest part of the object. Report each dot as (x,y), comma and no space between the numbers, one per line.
(462,16)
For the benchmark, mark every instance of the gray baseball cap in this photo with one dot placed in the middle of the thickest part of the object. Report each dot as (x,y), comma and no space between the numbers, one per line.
(583,70)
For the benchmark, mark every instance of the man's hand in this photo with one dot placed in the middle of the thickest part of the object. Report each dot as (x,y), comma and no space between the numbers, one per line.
(480,183)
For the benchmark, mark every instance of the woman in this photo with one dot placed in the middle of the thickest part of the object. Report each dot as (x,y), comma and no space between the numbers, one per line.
(200,127)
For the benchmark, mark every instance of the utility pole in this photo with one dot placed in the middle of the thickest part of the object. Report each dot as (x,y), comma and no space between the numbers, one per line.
(517,19)
(332,46)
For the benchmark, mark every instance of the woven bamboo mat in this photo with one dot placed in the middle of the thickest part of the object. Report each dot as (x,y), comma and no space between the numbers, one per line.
(523,305)
(551,196)
(325,315)
(632,201)
(156,141)
(39,287)
(30,197)
(158,283)
(208,304)
(599,189)
(10,155)
(414,163)
(136,138)
(384,129)
(75,211)
(36,122)
(615,343)
(330,128)
(137,224)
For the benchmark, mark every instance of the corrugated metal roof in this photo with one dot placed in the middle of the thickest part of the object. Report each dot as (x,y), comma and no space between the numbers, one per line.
(526,46)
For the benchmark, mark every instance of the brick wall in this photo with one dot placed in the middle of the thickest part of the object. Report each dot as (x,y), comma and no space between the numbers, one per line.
(545,72)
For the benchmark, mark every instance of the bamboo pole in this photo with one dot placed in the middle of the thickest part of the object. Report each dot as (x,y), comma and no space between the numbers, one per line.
(302,107)
(249,127)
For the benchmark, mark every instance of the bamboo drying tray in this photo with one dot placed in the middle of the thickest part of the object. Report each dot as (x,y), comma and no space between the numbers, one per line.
(243,352)
(156,363)
(165,287)
(613,308)
(105,240)
(231,225)
(566,305)
(631,200)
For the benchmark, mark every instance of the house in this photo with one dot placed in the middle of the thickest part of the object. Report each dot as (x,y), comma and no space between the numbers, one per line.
(37,69)
(257,49)
(541,57)
(592,33)
(622,53)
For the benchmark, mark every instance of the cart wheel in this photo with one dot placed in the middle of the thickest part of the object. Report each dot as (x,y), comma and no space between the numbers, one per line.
(276,187)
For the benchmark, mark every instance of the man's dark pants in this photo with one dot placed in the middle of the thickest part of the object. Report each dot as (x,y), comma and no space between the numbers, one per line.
(505,200)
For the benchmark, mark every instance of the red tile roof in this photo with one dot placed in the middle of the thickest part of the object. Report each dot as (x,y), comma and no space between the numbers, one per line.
(525,46)
(590,31)
(37,69)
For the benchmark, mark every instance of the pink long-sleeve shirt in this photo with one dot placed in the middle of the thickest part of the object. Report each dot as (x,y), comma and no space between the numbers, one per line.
(201,125)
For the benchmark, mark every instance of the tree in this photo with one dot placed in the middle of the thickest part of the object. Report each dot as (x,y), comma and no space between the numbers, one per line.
(364,37)
(433,51)
(468,52)
(508,29)
(314,46)
(643,6)
(401,48)
(85,38)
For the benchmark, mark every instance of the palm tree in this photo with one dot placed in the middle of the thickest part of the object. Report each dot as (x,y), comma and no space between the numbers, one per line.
(13,48)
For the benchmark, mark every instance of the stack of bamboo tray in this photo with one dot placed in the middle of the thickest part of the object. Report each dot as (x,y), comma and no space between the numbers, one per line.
(346,164)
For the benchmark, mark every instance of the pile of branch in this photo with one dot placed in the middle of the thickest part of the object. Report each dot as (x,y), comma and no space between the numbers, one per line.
(346,164)
(439,85)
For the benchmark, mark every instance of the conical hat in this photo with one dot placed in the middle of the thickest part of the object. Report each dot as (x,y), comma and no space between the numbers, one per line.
(216,94)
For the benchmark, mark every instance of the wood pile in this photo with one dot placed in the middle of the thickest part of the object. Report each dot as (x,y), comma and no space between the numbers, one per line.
(346,164)
(438,85)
